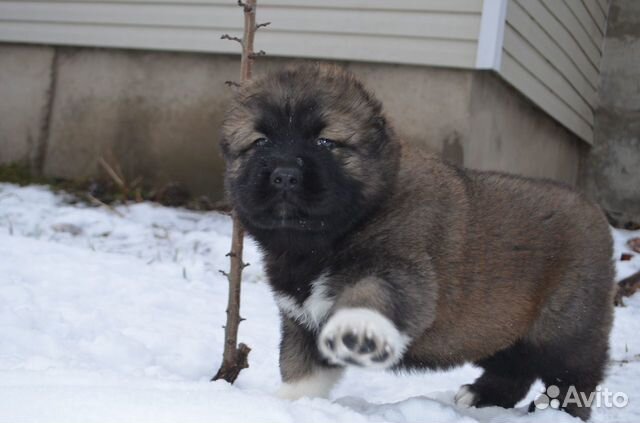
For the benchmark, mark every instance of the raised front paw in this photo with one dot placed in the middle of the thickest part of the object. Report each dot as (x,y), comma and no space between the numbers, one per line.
(362,337)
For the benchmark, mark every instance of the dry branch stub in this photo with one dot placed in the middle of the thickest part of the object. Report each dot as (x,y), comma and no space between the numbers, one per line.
(235,356)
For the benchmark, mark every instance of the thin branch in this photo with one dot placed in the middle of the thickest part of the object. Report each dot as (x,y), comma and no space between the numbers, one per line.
(97,202)
(248,36)
(118,179)
(229,37)
(248,6)
(257,54)
(262,25)
(235,356)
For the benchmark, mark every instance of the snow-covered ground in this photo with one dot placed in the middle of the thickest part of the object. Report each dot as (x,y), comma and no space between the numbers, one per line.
(118,318)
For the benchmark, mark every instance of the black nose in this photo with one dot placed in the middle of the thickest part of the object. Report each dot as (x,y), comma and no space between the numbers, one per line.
(286,178)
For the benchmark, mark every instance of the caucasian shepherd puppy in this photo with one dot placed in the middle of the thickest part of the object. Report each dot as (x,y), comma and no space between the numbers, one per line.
(382,257)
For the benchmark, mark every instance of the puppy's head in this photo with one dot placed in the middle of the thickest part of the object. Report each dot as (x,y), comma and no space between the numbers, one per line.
(308,153)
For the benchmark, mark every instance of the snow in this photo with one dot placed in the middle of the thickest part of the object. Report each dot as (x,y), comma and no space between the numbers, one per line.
(110,317)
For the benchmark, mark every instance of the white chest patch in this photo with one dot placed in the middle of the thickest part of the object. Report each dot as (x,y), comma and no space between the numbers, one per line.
(313,310)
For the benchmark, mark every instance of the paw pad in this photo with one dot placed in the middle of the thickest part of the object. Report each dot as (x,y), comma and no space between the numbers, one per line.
(361,337)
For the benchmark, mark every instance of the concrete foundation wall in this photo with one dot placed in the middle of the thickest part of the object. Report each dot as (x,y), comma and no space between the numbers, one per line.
(157,115)
(507,132)
(25,83)
(612,170)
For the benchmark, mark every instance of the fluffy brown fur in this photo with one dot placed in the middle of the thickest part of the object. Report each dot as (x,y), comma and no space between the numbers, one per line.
(510,273)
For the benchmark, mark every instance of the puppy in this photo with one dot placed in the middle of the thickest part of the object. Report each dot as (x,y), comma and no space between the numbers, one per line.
(385,258)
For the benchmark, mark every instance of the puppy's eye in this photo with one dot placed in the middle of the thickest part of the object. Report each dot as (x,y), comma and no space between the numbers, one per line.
(261,142)
(326,143)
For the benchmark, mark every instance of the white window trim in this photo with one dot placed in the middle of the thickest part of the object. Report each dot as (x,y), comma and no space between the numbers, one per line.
(494,14)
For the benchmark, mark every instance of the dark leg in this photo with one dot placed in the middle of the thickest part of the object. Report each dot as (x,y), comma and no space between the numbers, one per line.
(573,377)
(507,377)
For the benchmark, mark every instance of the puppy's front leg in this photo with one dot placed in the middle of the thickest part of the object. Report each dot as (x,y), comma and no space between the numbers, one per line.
(304,372)
(375,320)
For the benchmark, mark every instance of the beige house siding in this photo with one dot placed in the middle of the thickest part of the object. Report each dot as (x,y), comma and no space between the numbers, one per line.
(552,51)
(434,32)
(549,50)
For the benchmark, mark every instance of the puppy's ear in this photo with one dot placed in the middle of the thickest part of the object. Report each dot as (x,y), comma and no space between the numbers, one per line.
(382,129)
(380,123)
(225,147)
(385,138)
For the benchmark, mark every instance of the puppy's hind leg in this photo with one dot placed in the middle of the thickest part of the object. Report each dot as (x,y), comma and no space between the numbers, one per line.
(572,377)
(507,377)
(572,335)
(304,372)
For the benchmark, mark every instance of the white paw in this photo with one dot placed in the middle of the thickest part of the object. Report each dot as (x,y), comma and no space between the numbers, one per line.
(464,397)
(362,337)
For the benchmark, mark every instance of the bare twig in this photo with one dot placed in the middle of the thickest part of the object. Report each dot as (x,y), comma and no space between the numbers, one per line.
(246,62)
(262,25)
(113,174)
(235,356)
(229,37)
(97,202)
(257,54)
(248,7)
(136,182)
